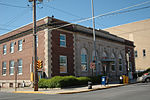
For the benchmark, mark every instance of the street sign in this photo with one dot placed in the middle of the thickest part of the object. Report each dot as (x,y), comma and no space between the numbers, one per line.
(92,65)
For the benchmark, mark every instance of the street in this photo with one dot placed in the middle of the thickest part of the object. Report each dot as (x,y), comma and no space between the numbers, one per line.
(139,91)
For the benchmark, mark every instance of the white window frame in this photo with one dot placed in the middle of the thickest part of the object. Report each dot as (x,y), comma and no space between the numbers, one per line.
(11,67)
(63,40)
(12,47)
(64,64)
(4,68)
(19,45)
(20,66)
(5,49)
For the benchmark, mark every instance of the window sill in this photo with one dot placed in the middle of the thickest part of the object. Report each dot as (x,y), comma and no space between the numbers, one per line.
(19,74)
(63,46)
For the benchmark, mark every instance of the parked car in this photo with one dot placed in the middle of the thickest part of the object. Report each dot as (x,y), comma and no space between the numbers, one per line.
(144,78)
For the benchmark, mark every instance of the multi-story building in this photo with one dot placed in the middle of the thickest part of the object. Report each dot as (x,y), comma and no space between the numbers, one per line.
(138,32)
(64,51)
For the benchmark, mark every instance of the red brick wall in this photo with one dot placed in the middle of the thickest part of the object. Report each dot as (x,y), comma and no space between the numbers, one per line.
(26,55)
(65,51)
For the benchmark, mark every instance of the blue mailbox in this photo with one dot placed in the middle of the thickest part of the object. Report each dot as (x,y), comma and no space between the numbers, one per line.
(103,80)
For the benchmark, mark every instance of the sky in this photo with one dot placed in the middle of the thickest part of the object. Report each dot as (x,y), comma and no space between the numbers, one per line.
(17,13)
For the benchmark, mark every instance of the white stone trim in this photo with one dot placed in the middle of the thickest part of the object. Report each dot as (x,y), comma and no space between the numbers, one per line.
(47,52)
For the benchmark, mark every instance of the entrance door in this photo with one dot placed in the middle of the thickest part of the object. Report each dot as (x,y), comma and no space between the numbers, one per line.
(106,68)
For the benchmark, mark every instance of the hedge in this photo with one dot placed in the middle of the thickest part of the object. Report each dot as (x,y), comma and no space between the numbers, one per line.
(67,81)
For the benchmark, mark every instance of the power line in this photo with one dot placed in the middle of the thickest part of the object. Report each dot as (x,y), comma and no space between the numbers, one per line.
(109,13)
(60,10)
(13,19)
(4,29)
(129,10)
(86,19)
(10,5)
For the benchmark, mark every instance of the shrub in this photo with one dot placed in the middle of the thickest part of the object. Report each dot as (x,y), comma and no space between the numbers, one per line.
(83,80)
(55,82)
(43,83)
(66,81)
(95,79)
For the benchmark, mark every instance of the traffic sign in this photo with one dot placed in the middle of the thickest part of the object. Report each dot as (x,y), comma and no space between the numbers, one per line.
(92,65)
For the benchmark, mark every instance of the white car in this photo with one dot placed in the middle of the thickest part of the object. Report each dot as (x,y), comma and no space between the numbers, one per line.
(144,78)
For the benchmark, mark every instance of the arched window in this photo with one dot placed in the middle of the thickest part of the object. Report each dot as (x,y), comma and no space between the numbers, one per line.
(113,62)
(120,62)
(83,59)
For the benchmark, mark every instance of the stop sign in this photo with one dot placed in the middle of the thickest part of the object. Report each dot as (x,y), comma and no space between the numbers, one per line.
(92,65)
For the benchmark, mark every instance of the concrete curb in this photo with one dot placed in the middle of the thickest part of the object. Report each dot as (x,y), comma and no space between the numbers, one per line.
(32,92)
(107,87)
(71,92)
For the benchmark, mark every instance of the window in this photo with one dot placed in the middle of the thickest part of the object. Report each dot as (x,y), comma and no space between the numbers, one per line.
(11,67)
(20,66)
(62,40)
(12,47)
(144,52)
(63,64)
(83,60)
(113,62)
(4,49)
(20,45)
(3,68)
(120,63)
(135,53)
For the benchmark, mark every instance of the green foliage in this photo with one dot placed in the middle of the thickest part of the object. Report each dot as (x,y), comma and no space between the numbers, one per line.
(96,79)
(43,83)
(83,80)
(66,81)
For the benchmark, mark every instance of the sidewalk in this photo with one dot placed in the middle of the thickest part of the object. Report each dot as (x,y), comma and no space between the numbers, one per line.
(60,91)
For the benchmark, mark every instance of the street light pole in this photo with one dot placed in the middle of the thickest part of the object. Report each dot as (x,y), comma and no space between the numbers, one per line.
(94,39)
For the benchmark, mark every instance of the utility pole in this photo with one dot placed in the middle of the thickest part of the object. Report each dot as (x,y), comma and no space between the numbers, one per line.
(94,39)
(35,45)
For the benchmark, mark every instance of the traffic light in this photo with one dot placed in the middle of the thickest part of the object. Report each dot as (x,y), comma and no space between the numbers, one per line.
(39,64)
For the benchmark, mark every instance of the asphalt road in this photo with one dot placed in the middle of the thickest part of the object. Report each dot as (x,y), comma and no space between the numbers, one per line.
(140,91)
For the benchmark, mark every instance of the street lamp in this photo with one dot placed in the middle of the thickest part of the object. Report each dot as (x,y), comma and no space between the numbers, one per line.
(94,39)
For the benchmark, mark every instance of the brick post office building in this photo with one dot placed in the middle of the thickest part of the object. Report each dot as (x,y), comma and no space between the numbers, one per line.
(64,51)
